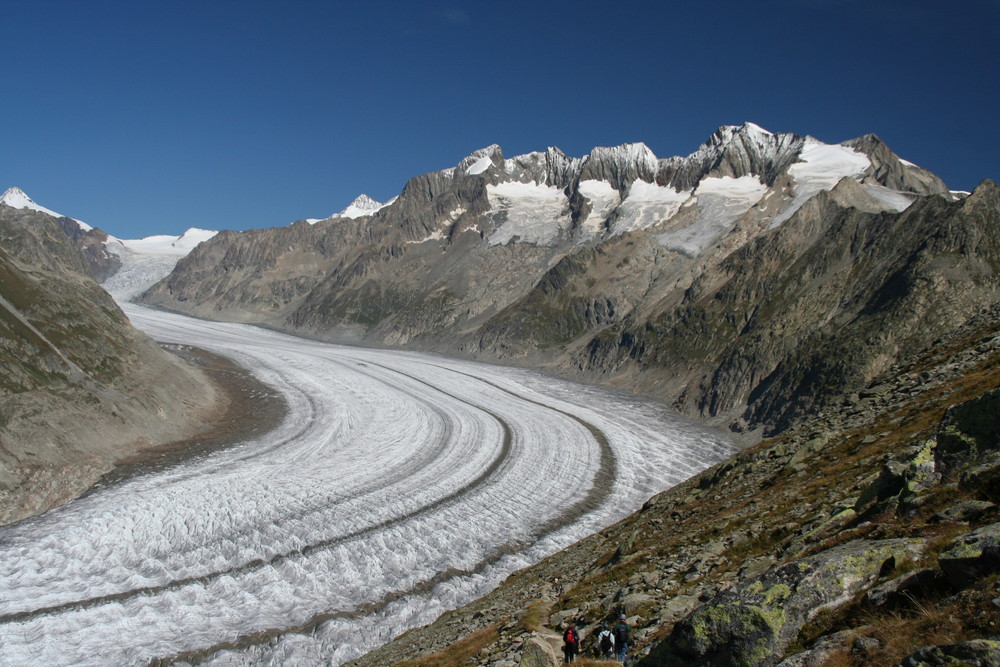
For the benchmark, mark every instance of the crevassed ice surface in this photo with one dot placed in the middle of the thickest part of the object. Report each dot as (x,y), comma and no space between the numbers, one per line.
(398,486)
(721,202)
(528,212)
(648,204)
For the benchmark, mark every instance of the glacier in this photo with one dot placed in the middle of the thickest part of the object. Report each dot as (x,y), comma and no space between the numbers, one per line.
(399,485)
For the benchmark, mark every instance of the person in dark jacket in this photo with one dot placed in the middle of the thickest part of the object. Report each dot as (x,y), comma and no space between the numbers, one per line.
(621,631)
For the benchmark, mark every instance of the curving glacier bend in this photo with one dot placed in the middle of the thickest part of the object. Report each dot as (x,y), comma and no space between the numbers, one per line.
(398,486)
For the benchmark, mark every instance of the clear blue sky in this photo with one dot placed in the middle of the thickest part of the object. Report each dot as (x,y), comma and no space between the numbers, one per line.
(151,117)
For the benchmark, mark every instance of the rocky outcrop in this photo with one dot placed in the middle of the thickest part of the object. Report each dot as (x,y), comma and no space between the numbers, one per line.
(975,653)
(751,624)
(972,555)
(79,387)
(538,653)
(801,316)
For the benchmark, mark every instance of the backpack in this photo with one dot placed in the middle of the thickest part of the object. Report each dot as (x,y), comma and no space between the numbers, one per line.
(606,644)
(569,636)
(621,633)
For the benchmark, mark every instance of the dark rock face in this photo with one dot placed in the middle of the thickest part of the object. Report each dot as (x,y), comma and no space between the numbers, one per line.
(888,170)
(969,431)
(44,280)
(972,555)
(801,316)
(92,243)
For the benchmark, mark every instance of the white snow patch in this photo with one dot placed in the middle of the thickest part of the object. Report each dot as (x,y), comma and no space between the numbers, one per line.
(436,235)
(648,204)
(603,198)
(821,168)
(362,205)
(530,212)
(16,198)
(893,200)
(757,129)
(721,202)
(481,165)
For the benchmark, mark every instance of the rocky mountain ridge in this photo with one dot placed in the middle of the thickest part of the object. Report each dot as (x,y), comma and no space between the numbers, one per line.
(611,268)
(80,389)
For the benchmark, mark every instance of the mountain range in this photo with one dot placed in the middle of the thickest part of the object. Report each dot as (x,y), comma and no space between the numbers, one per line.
(747,284)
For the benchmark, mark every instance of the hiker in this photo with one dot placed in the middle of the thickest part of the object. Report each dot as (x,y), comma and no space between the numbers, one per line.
(571,642)
(621,633)
(605,642)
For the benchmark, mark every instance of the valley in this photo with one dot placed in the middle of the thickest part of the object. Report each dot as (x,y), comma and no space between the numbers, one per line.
(399,485)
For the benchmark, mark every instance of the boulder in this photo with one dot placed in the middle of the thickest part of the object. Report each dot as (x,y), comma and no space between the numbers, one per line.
(964,511)
(901,479)
(897,588)
(968,431)
(822,651)
(538,653)
(972,555)
(974,653)
(752,623)
(983,477)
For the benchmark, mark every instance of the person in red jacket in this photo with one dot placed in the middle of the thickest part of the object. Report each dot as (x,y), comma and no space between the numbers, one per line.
(571,642)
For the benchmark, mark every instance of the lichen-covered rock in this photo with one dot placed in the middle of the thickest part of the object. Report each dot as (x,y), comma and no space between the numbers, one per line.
(751,624)
(901,479)
(964,511)
(983,477)
(972,555)
(969,430)
(975,653)
(538,653)
(897,588)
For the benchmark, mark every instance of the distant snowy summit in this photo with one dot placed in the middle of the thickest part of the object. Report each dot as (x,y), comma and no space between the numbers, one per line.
(362,206)
(161,244)
(16,198)
(126,267)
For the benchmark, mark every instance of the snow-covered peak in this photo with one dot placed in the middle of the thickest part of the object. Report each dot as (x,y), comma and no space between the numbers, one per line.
(363,205)
(480,160)
(636,154)
(727,134)
(16,198)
